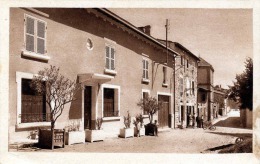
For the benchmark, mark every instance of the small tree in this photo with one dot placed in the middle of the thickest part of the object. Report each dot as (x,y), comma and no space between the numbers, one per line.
(58,90)
(151,105)
(242,91)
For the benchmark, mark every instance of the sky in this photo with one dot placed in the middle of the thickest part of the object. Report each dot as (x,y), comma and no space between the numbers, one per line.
(223,37)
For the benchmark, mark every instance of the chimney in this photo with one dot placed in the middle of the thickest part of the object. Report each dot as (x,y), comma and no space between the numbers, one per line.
(146,29)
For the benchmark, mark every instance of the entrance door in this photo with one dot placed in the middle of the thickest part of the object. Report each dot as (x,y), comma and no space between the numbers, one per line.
(163,114)
(87,107)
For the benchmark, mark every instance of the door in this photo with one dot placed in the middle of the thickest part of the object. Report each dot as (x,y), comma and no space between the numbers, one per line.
(163,113)
(87,107)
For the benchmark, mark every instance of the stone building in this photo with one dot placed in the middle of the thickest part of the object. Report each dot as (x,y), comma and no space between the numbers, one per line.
(186,72)
(116,63)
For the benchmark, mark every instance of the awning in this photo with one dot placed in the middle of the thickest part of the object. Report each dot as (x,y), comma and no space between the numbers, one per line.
(94,78)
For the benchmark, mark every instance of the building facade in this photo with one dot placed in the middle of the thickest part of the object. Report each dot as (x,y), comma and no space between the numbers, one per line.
(185,97)
(116,63)
(205,90)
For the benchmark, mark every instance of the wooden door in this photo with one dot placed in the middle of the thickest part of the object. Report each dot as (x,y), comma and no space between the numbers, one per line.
(163,114)
(87,107)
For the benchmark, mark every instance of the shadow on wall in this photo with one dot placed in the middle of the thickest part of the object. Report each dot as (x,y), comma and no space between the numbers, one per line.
(75,111)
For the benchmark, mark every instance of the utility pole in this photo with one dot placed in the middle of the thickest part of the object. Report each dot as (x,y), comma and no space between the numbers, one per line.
(167,26)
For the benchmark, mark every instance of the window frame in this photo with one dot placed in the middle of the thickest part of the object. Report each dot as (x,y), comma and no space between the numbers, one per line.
(145,70)
(109,70)
(142,96)
(19,124)
(35,54)
(116,101)
(165,79)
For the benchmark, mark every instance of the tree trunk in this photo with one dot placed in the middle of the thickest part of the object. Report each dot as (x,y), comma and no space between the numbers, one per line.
(151,118)
(52,134)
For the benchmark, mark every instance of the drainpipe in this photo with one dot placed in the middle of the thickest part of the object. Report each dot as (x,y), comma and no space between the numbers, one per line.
(174,86)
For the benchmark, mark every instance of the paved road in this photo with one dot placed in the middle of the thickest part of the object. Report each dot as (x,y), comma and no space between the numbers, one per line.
(171,141)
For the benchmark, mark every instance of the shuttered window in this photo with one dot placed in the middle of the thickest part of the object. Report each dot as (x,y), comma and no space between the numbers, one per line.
(164,75)
(110,58)
(35,35)
(145,69)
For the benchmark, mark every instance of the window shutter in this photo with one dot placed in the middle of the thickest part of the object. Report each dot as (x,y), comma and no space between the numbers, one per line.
(143,68)
(107,57)
(29,38)
(147,69)
(40,37)
(112,58)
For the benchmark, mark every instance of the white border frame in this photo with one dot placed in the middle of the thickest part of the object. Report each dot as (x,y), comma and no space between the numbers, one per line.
(116,87)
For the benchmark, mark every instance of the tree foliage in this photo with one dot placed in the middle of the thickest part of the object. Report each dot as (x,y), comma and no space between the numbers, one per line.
(242,91)
(149,104)
(58,90)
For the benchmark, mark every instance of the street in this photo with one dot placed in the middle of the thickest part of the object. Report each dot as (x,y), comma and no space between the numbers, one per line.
(170,141)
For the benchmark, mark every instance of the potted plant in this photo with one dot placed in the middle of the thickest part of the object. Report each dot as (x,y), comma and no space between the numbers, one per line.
(139,120)
(127,131)
(58,91)
(151,105)
(96,134)
(73,134)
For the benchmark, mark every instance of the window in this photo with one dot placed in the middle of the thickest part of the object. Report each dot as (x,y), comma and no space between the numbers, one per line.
(109,103)
(181,60)
(187,63)
(33,106)
(110,58)
(164,75)
(35,35)
(192,88)
(145,95)
(181,86)
(145,69)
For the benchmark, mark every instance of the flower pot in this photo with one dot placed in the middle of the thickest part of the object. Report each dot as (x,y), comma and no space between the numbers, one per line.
(124,133)
(94,135)
(150,129)
(45,138)
(74,137)
(142,131)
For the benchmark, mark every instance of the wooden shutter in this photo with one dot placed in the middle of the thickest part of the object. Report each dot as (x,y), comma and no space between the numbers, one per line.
(143,68)
(107,57)
(164,75)
(40,37)
(29,38)
(112,59)
(146,61)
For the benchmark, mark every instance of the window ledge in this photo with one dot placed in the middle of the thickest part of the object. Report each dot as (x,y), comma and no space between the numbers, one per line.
(112,72)
(35,55)
(165,85)
(116,118)
(32,124)
(145,80)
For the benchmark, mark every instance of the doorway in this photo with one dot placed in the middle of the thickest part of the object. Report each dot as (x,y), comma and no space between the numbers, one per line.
(87,107)
(163,114)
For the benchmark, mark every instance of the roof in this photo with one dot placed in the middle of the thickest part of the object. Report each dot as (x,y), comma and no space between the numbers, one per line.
(204,63)
(134,28)
(180,46)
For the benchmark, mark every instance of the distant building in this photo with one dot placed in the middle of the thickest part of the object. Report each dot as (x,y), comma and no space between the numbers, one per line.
(219,104)
(205,89)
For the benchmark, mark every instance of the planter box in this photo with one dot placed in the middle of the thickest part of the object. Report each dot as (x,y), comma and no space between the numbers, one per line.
(45,138)
(94,135)
(74,137)
(124,133)
(142,131)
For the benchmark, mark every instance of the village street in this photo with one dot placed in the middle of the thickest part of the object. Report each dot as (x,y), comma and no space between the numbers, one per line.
(169,141)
